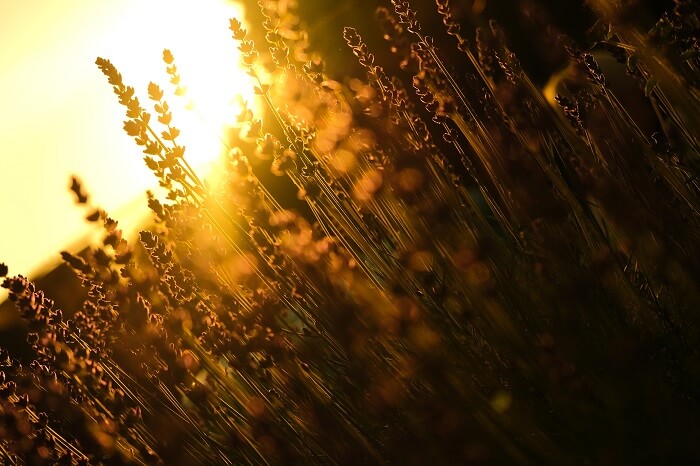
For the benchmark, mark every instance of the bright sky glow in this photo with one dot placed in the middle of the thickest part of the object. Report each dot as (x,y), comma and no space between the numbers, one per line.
(59,116)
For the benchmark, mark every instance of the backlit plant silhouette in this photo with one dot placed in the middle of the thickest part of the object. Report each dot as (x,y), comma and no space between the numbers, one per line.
(470,274)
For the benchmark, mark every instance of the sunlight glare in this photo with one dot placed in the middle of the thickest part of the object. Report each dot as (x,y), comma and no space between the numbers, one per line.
(208,62)
(62,119)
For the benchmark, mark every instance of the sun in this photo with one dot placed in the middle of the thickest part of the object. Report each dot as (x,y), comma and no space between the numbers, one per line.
(63,120)
(207,60)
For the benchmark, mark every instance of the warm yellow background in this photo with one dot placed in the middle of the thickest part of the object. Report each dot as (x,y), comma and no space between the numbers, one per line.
(58,115)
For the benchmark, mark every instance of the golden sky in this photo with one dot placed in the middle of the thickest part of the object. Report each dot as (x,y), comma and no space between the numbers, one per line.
(59,116)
